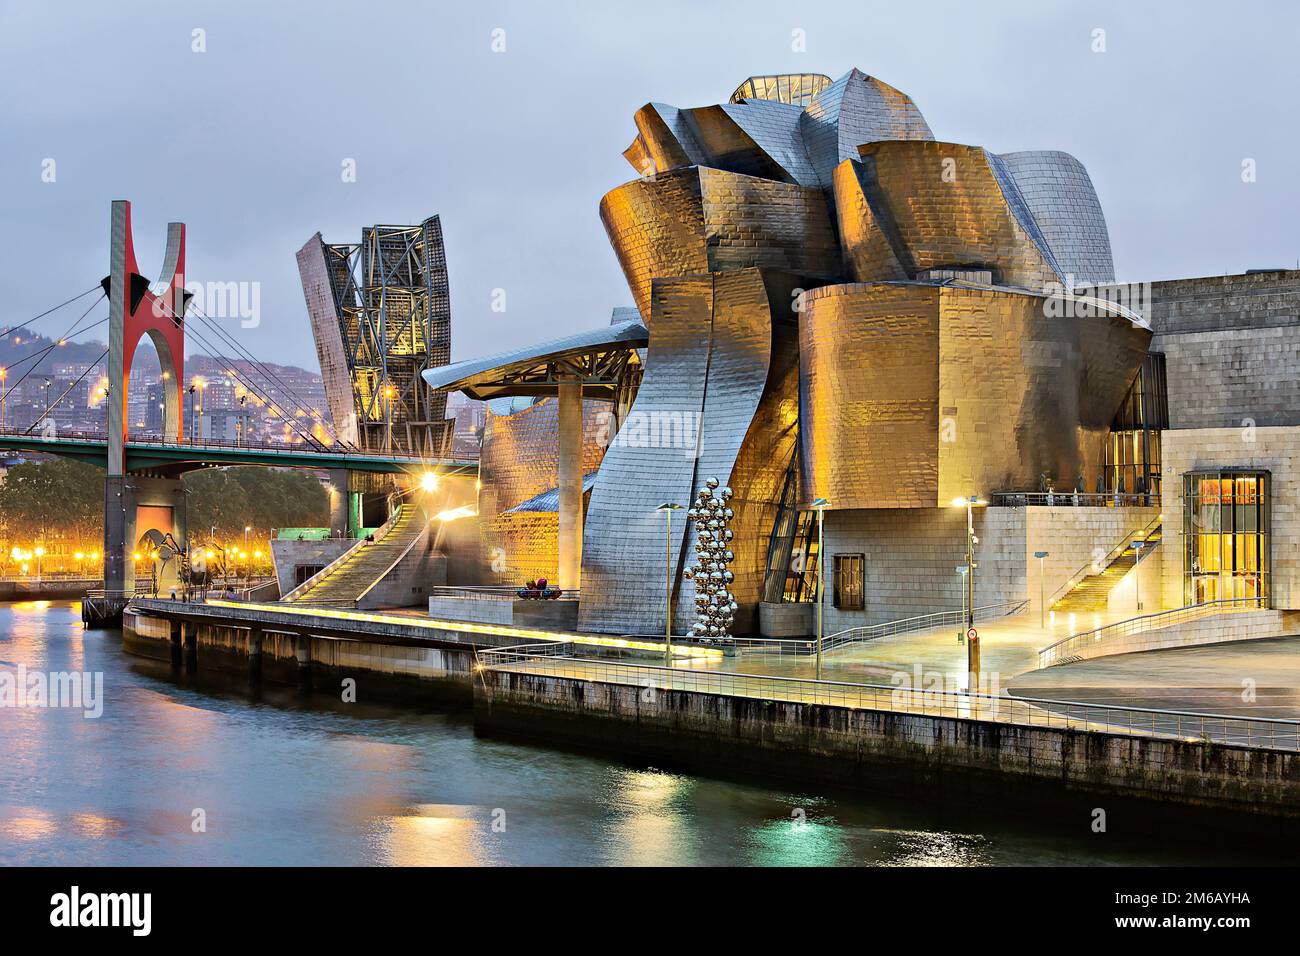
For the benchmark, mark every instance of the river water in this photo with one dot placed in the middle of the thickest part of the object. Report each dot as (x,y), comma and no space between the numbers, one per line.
(172,773)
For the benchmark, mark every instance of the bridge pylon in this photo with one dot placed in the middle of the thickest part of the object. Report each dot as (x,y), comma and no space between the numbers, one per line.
(134,311)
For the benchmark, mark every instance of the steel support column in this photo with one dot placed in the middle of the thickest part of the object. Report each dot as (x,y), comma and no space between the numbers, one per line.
(570,484)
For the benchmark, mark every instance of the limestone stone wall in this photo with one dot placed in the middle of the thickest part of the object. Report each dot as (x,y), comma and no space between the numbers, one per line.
(1077,540)
(912,555)
(911,560)
(1232,348)
(1275,449)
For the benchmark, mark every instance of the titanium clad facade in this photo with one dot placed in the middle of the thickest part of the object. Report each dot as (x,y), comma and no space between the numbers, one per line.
(937,206)
(1061,198)
(697,220)
(913,395)
(944,367)
(853,110)
(710,361)
(519,461)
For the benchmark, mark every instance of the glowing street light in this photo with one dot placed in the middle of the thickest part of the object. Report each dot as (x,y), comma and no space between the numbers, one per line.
(668,507)
(821,504)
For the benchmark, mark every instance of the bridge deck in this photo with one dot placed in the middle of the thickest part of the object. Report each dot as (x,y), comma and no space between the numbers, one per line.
(186,456)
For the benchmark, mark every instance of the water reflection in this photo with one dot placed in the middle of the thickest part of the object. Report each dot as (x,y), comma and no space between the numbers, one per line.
(279,779)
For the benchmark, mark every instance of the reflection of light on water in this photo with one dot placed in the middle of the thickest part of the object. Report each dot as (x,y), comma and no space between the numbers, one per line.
(28,824)
(650,828)
(798,842)
(31,607)
(94,825)
(31,824)
(435,835)
(929,848)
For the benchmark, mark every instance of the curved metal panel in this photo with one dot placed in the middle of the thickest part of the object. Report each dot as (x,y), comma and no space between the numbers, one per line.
(698,220)
(706,375)
(853,110)
(1061,197)
(940,206)
(519,461)
(913,394)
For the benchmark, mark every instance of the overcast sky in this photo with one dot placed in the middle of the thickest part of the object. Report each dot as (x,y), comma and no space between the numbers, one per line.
(245,142)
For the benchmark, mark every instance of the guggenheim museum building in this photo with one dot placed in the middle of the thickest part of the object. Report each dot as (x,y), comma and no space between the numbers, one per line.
(840,315)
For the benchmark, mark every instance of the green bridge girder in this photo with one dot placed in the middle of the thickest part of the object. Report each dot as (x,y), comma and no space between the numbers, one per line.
(177,459)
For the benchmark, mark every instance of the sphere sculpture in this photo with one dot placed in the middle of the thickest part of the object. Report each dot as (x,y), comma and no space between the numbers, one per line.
(715,605)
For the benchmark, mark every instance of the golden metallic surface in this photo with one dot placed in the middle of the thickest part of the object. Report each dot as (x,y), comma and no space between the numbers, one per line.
(710,368)
(698,220)
(664,141)
(519,461)
(936,205)
(915,394)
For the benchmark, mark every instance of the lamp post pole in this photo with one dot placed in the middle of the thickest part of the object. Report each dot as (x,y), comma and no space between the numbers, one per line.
(1042,600)
(820,504)
(668,507)
(1137,572)
(972,638)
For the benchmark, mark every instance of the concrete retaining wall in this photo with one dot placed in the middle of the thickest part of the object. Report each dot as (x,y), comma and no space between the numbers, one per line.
(873,749)
(388,671)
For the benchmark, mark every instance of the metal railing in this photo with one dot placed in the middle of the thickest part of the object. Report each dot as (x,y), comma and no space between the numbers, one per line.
(99,594)
(422,538)
(488,592)
(1074,499)
(154,441)
(922,622)
(558,660)
(803,646)
(1125,636)
(343,558)
(1101,564)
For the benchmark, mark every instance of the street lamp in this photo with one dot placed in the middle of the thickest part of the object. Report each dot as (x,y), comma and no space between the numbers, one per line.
(39,553)
(821,505)
(1138,545)
(972,638)
(668,507)
(1042,601)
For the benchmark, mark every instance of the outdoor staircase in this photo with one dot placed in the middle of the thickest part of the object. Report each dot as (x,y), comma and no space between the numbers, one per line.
(1091,594)
(347,579)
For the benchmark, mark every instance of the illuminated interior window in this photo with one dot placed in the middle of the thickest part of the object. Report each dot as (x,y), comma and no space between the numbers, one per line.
(1225,536)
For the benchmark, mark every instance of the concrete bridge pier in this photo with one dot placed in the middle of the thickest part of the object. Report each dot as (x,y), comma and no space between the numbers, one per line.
(133,505)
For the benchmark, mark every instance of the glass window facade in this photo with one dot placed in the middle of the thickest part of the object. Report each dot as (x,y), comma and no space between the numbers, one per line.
(1133,446)
(1226,536)
(849,574)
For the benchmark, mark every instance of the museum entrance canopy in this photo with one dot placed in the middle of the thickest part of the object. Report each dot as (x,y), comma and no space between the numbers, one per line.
(598,359)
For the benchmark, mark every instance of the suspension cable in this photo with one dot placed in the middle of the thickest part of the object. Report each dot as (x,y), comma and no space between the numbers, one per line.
(263,368)
(50,406)
(272,405)
(14,328)
(44,353)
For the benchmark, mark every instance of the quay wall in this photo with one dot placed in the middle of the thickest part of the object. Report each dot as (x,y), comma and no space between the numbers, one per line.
(934,757)
(423,674)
